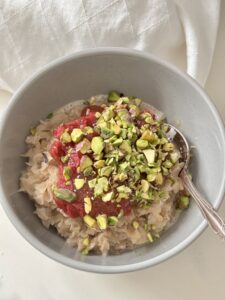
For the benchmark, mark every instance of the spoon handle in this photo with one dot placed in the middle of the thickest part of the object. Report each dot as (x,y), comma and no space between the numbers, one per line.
(214,220)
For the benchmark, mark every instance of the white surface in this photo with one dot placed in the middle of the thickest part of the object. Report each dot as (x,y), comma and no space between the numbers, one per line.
(180,31)
(196,273)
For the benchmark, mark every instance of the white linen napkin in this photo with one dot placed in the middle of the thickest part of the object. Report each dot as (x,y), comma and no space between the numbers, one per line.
(33,33)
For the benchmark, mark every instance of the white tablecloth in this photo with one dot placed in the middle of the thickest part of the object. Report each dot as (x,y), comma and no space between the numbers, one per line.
(32,33)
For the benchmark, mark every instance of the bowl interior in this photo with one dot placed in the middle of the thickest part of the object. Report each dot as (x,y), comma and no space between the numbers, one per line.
(94,73)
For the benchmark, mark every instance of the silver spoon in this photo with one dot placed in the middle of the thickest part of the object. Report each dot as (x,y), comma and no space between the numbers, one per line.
(214,220)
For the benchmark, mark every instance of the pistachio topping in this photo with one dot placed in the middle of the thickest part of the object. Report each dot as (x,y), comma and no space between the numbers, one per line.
(64,194)
(142,144)
(150,155)
(67,173)
(135,224)
(102,221)
(33,131)
(86,242)
(149,236)
(89,221)
(85,146)
(97,144)
(105,171)
(125,158)
(112,220)
(76,135)
(184,202)
(99,164)
(101,186)
(79,183)
(65,137)
(87,205)
(108,197)
(85,162)
(113,96)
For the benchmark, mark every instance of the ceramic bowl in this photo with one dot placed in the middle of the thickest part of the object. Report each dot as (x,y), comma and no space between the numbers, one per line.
(92,72)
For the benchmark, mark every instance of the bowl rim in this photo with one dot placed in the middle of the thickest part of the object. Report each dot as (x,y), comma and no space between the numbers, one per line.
(100,268)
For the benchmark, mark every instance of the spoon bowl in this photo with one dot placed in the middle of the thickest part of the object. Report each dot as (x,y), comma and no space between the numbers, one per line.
(209,213)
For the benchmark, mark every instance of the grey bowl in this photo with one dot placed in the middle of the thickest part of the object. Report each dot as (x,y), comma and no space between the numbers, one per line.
(135,73)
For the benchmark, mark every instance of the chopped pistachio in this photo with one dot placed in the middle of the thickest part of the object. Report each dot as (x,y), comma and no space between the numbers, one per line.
(64,194)
(163,141)
(112,220)
(137,101)
(79,183)
(121,214)
(76,135)
(122,196)
(86,242)
(168,147)
(149,120)
(105,171)
(125,99)
(101,186)
(33,131)
(144,185)
(159,179)
(148,135)
(102,221)
(124,133)
(146,196)
(165,171)
(67,173)
(118,142)
(88,171)
(151,177)
(92,183)
(65,137)
(174,157)
(65,158)
(49,116)
(146,227)
(97,144)
(154,170)
(85,162)
(101,123)
(120,177)
(85,251)
(124,166)
(142,144)
(184,202)
(134,110)
(150,155)
(87,205)
(149,236)
(126,146)
(108,197)
(116,129)
(88,130)
(113,96)
(99,164)
(106,132)
(167,164)
(110,161)
(135,224)
(98,156)
(123,189)
(144,169)
(86,145)
(97,115)
(89,221)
